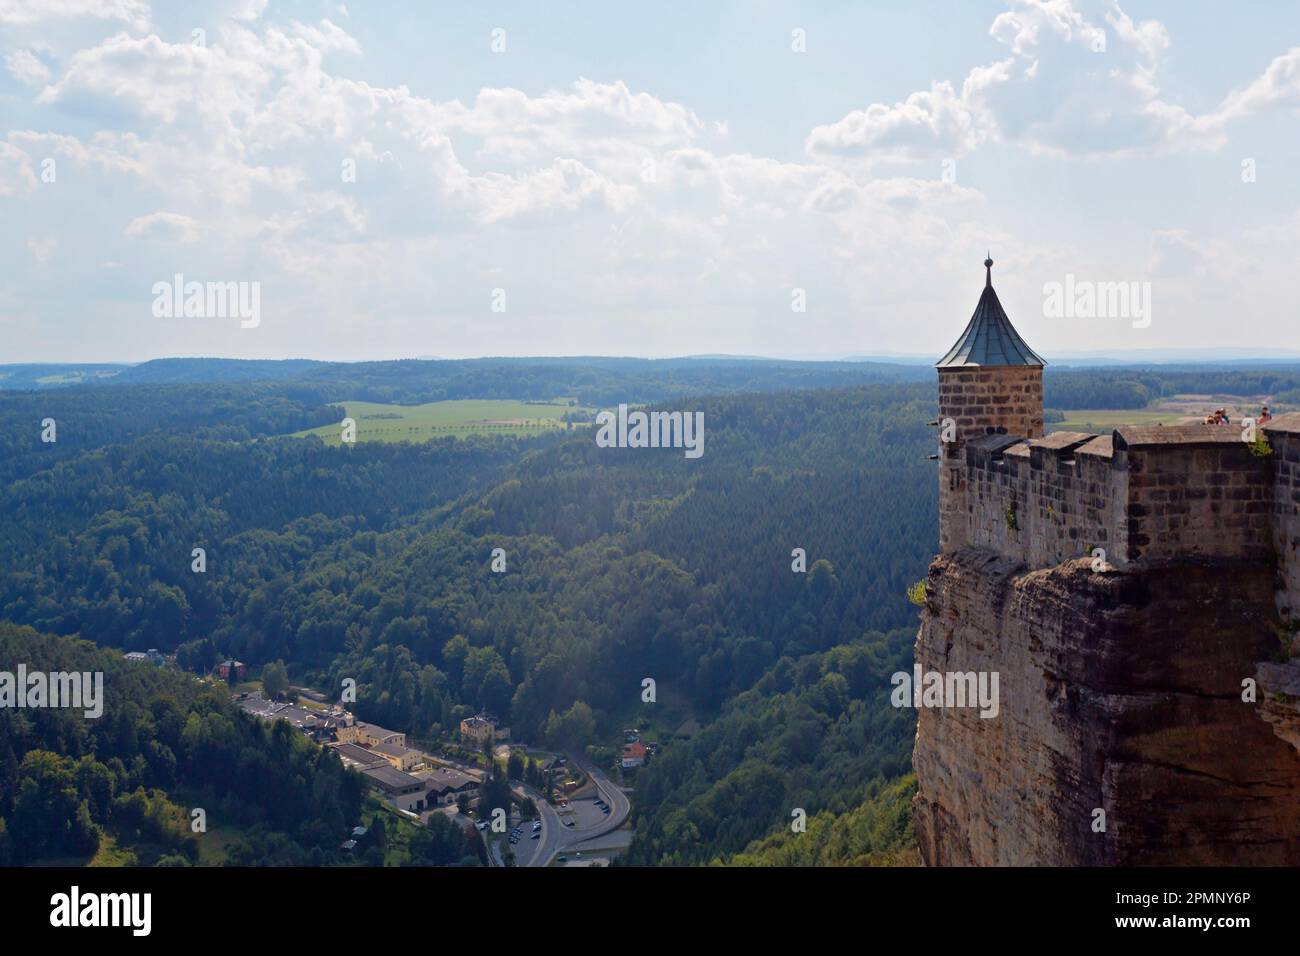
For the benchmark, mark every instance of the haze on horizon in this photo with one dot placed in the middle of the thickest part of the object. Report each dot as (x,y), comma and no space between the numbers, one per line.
(642,182)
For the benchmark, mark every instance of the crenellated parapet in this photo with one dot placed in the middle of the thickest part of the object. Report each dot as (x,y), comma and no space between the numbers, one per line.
(1149,708)
(1042,501)
(1148,495)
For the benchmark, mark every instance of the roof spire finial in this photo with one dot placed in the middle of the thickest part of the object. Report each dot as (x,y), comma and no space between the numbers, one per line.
(988,270)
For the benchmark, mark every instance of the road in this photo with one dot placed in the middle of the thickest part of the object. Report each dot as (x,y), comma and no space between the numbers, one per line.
(620,807)
(556,838)
(552,830)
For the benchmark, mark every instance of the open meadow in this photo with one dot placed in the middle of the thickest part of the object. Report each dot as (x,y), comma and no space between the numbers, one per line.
(460,418)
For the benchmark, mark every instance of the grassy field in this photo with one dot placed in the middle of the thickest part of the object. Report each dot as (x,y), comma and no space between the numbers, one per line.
(1174,410)
(1103,419)
(393,423)
(113,853)
(214,845)
(109,854)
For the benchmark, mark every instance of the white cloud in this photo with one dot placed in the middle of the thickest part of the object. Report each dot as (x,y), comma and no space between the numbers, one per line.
(167,226)
(27,68)
(932,123)
(326,37)
(588,199)
(564,186)
(16,173)
(1278,85)
(167,82)
(25,12)
(248,10)
(1080,78)
(594,193)
(604,120)
(107,152)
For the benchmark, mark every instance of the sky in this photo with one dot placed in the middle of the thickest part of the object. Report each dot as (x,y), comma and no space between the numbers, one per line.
(391,179)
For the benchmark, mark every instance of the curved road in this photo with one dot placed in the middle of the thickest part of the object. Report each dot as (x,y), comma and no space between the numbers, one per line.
(556,837)
(620,807)
(552,829)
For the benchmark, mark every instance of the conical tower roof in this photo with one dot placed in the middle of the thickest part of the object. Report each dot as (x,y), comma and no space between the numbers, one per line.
(989,338)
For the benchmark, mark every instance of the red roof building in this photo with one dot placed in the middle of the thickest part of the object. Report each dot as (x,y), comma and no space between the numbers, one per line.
(633,754)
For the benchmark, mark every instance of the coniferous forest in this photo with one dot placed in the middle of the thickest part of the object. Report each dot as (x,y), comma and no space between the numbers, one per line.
(372,562)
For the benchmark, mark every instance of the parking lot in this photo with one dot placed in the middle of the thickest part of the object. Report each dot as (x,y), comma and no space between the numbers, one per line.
(522,838)
(583,813)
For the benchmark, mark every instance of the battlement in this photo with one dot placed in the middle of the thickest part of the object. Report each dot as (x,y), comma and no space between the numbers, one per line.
(1044,500)
(1149,495)
(1121,687)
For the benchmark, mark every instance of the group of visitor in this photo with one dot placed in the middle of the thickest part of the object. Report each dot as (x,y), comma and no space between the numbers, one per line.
(1220,417)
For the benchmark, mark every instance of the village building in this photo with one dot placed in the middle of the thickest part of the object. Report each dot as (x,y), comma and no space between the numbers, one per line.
(633,755)
(403,758)
(369,735)
(402,790)
(225,667)
(151,656)
(359,758)
(479,728)
(445,786)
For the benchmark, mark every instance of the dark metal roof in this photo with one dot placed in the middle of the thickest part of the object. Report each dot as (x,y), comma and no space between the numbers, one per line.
(994,442)
(989,338)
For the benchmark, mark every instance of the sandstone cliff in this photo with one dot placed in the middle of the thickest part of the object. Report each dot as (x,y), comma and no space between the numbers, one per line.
(1120,691)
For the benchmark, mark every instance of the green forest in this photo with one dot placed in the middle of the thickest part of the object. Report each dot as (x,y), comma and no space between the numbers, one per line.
(763,587)
(167,743)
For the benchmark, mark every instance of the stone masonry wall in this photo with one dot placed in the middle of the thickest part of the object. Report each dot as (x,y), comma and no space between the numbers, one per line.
(980,401)
(1196,502)
(983,399)
(1145,504)
(1286,522)
(1062,504)
(952,506)
(1120,689)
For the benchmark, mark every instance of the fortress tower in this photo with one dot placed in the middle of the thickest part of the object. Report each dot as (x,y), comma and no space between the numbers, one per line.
(1138,595)
(990,382)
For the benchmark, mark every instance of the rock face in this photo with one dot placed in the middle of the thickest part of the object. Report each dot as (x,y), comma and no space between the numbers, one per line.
(1119,691)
